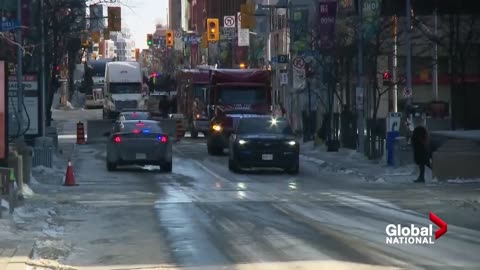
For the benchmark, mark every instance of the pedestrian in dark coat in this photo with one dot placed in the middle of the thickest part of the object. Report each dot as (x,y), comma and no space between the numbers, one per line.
(421,153)
(164,106)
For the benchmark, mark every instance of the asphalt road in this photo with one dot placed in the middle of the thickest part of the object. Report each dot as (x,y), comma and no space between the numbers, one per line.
(202,216)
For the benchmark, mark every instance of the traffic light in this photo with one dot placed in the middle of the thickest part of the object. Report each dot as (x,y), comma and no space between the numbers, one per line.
(213,29)
(169,37)
(115,19)
(137,54)
(149,40)
(387,79)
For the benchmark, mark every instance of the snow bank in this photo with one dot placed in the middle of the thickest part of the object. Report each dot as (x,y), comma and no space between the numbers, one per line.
(27,192)
(44,170)
(463,181)
(312,159)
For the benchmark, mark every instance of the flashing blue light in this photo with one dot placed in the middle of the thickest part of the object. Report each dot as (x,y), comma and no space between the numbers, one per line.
(159,137)
(146,131)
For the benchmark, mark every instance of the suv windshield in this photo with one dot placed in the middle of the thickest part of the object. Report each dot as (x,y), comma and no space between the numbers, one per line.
(152,127)
(125,88)
(264,126)
(241,95)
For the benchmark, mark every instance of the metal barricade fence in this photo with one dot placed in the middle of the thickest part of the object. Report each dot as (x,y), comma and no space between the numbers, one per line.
(43,156)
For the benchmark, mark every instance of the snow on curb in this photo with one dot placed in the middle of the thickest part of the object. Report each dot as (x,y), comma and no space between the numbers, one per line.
(463,181)
(314,160)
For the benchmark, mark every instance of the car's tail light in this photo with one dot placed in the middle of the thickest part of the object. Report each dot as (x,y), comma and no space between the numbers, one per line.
(163,139)
(117,139)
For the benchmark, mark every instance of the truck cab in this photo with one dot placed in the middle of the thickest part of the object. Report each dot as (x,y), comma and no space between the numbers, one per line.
(192,89)
(123,88)
(95,71)
(235,94)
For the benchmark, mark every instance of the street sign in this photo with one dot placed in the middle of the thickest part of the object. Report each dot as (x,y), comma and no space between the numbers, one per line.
(31,100)
(283,77)
(299,62)
(239,20)
(393,121)
(283,59)
(229,21)
(227,33)
(243,37)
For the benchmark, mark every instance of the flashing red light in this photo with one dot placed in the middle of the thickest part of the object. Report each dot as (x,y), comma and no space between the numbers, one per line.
(163,139)
(117,139)
(57,68)
(140,124)
(136,131)
(386,75)
(134,115)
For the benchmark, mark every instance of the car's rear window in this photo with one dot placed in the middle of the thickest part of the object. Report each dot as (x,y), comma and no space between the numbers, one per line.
(135,116)
(151,127)
(264,126)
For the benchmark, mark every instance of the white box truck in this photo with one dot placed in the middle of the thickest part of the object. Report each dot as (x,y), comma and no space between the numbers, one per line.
(123,88)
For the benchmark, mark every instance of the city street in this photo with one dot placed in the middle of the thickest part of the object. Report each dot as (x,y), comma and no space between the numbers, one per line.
(202,216)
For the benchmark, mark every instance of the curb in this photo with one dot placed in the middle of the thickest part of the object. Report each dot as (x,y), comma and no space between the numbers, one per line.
(19,257)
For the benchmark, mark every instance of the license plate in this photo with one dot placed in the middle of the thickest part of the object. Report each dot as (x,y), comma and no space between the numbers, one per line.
(140,156)
(267,157)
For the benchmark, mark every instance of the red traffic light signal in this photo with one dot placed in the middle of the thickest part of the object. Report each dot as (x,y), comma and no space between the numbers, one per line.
(387,76)
(387,79)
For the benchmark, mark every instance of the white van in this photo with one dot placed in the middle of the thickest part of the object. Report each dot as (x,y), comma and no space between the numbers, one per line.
(123,88)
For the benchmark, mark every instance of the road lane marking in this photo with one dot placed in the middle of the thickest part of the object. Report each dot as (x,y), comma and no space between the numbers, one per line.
(214,174)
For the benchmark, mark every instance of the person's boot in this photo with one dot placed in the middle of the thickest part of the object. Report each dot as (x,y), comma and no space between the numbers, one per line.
(419,180)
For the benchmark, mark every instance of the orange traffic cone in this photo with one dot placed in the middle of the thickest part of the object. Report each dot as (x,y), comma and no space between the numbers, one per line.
(69,175)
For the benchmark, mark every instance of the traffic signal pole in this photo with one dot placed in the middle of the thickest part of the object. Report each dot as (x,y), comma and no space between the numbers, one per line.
(19,74)
(290,6)
(360,84)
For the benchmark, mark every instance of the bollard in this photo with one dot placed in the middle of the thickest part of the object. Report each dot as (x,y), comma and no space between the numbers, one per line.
(15,161)
(391,138)
(26,153)
(180,130)
(80,133)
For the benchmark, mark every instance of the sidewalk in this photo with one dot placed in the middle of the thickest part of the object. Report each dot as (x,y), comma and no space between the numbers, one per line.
(15,257)
(348,161)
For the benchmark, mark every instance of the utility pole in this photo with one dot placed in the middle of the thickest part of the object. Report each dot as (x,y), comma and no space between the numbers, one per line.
(43,76)
(409,52)
(435,60)
(20,73)
(360,91)
(395,65)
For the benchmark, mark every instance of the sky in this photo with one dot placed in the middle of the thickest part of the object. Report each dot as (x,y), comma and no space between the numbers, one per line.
(141,16)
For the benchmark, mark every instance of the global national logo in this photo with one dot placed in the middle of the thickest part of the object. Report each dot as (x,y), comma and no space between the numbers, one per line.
(415,235)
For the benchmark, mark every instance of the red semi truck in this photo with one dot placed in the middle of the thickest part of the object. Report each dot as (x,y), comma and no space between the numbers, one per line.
(192,93)
(233,94)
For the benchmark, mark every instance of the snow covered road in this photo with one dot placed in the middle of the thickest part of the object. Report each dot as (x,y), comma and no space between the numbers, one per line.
(202,216)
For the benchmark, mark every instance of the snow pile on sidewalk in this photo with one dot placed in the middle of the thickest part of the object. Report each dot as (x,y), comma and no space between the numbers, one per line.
(45,175)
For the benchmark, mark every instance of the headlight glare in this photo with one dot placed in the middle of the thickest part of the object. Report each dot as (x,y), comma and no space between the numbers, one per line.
(242,142)
(217,128)
(292,143)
